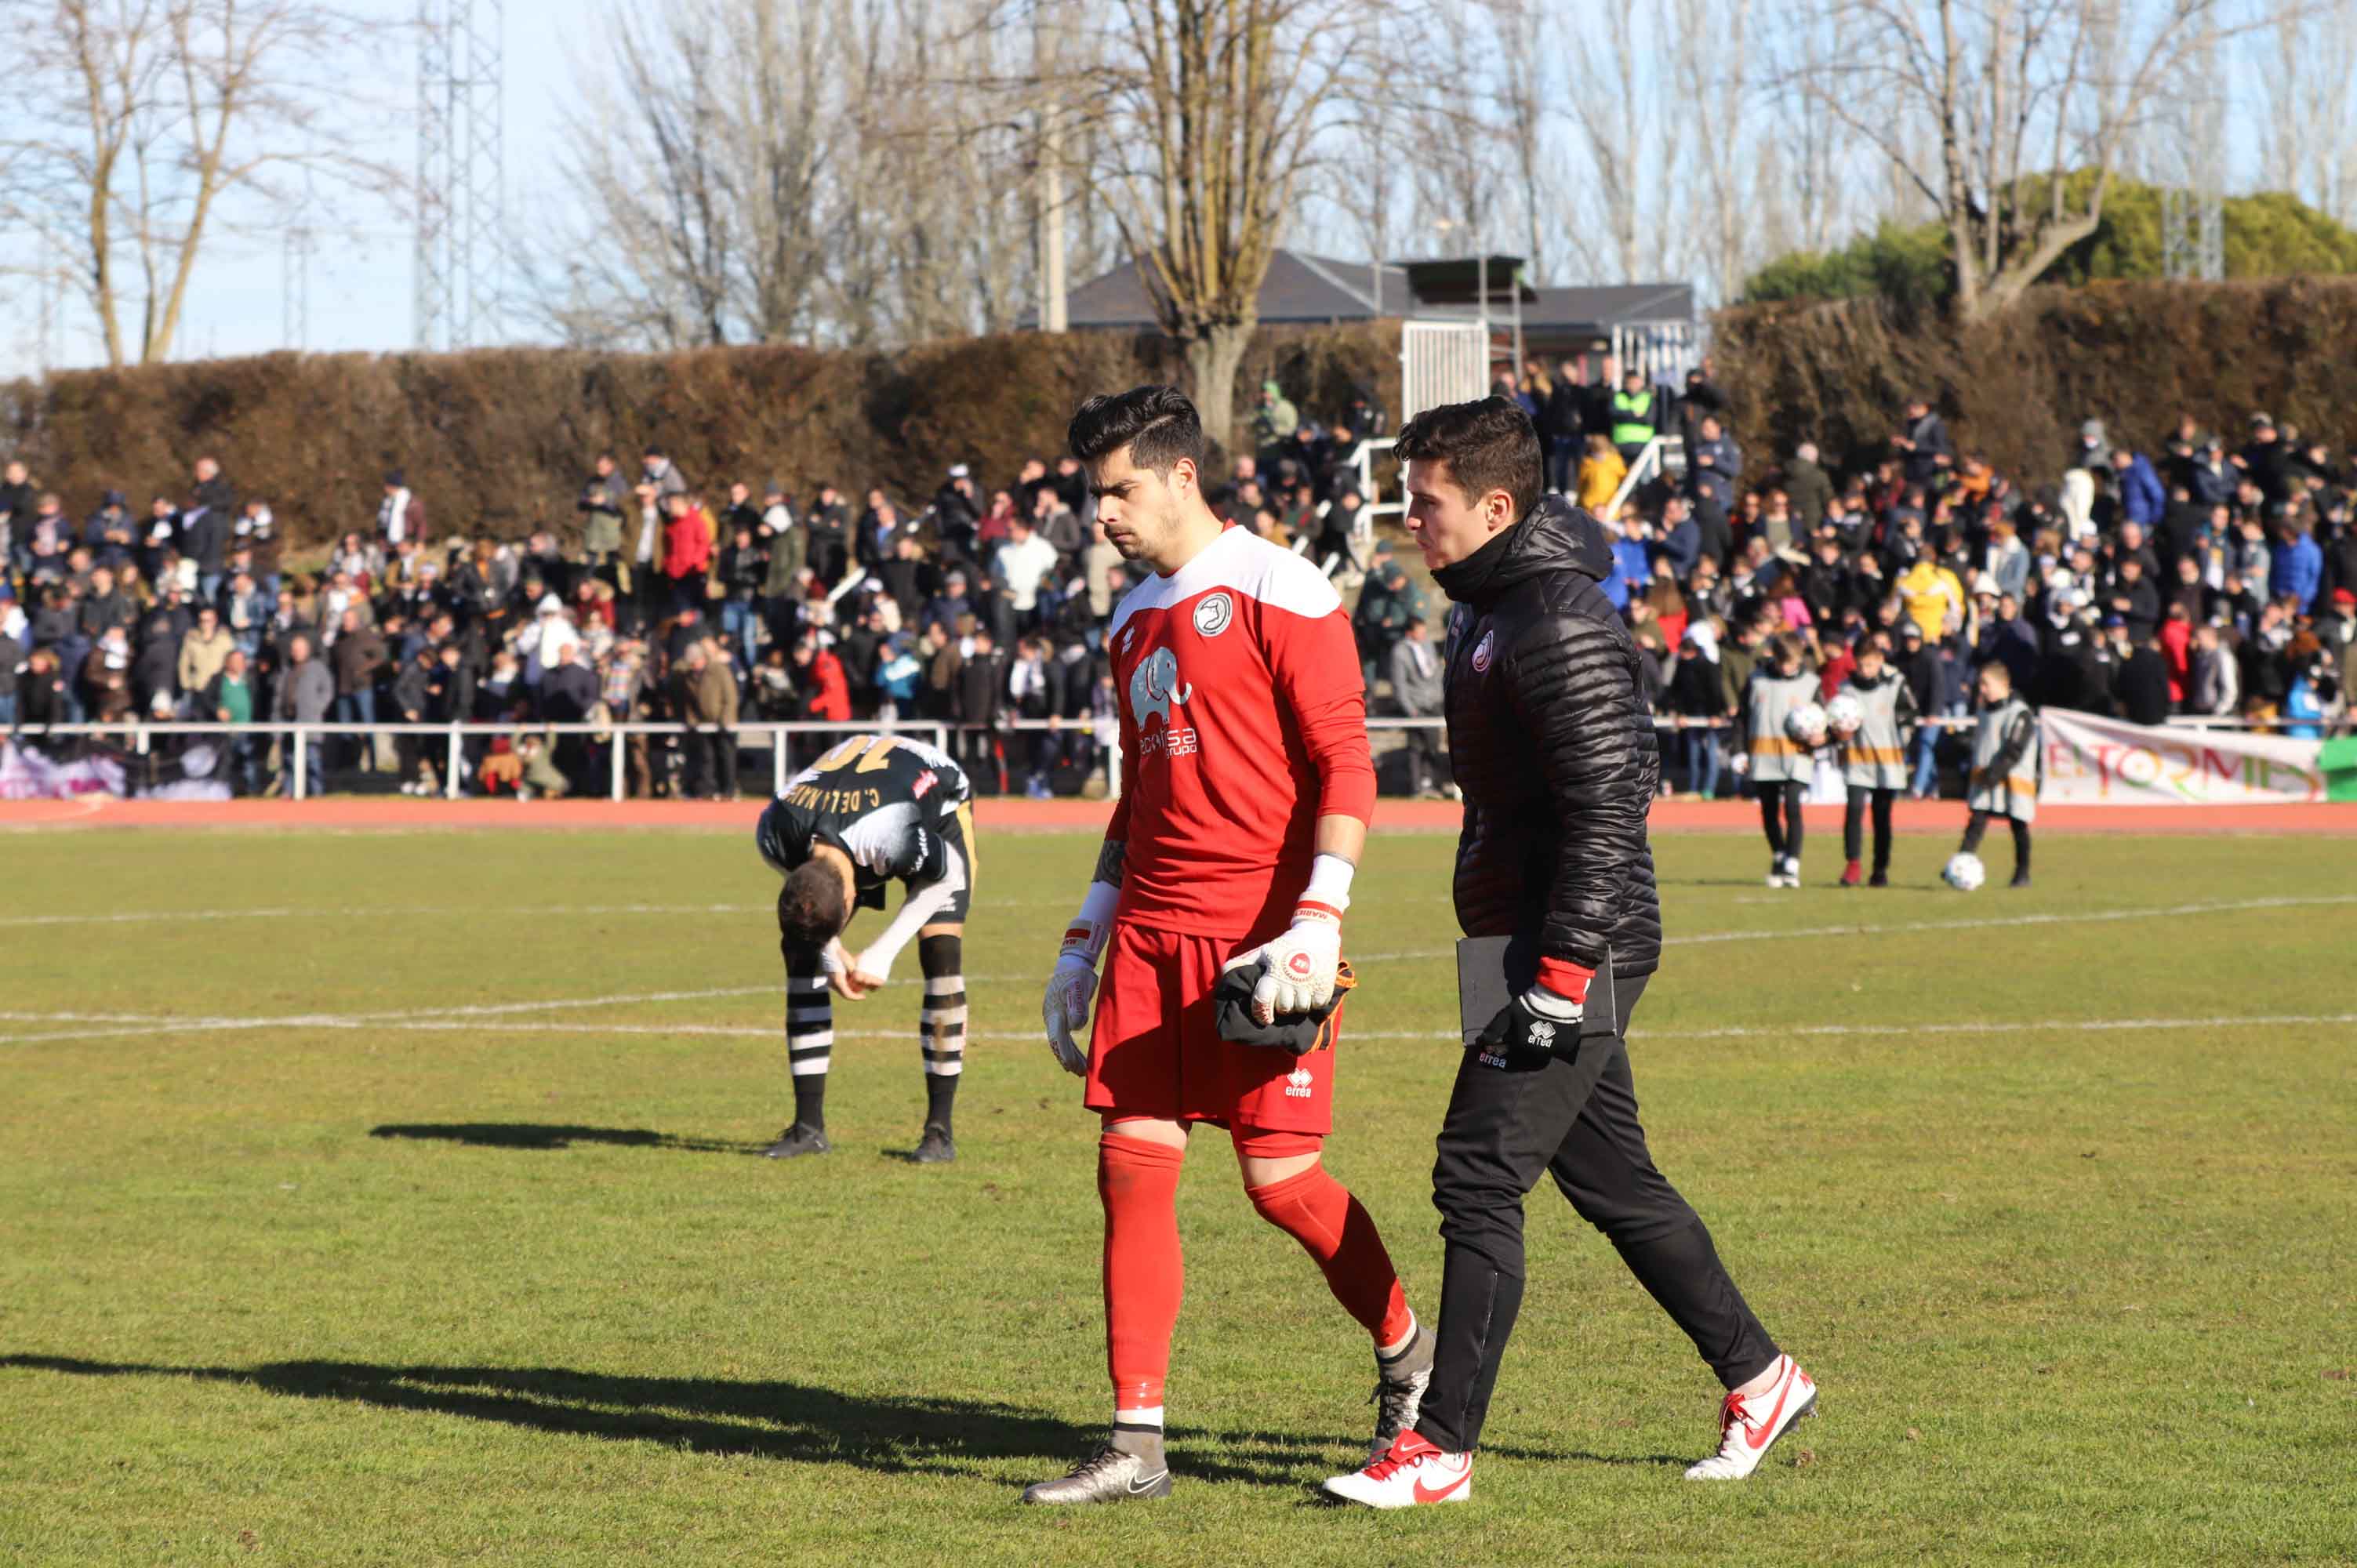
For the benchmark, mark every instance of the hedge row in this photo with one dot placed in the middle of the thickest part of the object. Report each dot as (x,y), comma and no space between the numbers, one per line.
(2015,389)
(499,440)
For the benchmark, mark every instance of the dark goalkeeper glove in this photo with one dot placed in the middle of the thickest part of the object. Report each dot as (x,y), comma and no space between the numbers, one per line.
(1532,1030)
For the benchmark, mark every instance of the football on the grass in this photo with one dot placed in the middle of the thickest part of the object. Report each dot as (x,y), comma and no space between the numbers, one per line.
(1964,871)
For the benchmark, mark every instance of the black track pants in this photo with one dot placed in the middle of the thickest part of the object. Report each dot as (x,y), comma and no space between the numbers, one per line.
(1853,824)
(1780,815)
(1978,823)
(1576,1119)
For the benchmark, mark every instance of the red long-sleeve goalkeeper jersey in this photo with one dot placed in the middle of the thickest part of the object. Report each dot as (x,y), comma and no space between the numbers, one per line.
(1243,721)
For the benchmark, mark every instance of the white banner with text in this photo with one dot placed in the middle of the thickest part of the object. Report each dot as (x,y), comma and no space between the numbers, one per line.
(2091,761)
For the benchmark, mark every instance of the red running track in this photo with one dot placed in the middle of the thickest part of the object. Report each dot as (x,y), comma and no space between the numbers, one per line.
(384,814)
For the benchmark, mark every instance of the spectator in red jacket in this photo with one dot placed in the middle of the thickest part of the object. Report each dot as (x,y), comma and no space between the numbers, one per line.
(687,549)
(2176,641)
(826,693)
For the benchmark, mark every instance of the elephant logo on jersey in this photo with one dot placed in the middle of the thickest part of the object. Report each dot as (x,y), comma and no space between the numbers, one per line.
(1154,689)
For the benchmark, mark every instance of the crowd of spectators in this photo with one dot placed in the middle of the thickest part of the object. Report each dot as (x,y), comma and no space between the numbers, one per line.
(659,600)
(2188,581)
(2196,580)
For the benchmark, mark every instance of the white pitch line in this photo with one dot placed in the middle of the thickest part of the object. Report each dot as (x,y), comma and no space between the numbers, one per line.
(772,1032)
(2091,917)
(425,1017)
(149,916)
(285,912)
(501,1009)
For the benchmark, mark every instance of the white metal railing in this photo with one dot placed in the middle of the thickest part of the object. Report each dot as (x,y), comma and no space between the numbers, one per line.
(1663,350)
(774,735)
(1442,363)
(1654,459)
(299,739)
(1363,527)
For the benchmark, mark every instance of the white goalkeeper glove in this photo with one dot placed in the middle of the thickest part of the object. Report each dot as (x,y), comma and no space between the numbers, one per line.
(1073,986)
(1296,969)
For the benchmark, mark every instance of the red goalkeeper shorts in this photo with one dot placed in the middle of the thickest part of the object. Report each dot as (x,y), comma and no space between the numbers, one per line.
(1156,1052)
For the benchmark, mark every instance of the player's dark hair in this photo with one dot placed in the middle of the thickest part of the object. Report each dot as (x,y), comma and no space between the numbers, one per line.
(811,910)
(1488,445)
(1158,425)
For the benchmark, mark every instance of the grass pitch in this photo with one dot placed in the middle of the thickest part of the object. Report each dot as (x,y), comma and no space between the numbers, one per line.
(393,1199)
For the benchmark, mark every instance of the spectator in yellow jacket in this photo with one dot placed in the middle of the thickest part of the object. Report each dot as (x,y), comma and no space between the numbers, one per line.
(1600,473)
(1930,592)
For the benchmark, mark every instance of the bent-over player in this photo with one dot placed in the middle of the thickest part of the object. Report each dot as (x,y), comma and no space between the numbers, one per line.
(1249,786)
(876,809)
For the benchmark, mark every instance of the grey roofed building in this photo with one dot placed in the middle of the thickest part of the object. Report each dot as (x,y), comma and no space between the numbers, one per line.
(1302,289)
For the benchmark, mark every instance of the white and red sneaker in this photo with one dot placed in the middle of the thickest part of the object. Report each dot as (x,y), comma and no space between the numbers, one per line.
(1411,1471)
(1748,1426)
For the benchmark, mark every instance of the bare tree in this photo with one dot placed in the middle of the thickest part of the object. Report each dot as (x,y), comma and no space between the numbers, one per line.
(1627,144)
(136,122)
(2016,95)
(1711,63)
(696,142)
(1464,144)
(791,170)
(2309,132)
(1213,114)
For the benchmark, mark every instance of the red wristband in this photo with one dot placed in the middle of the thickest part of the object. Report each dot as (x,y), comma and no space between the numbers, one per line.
(1565,977)
(1309,909)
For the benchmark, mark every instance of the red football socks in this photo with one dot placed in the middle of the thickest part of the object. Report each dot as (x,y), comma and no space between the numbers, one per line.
(1335,1228)
(1143,1275)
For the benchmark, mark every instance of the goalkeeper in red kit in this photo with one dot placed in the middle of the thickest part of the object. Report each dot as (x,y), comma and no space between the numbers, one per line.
(1247,790)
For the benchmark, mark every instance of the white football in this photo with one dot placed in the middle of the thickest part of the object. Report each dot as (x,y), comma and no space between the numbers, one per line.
(1806,725)
(1844,714)
(1964,871)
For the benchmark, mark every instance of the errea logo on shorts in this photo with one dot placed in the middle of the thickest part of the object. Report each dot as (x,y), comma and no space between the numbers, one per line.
(1299,1083)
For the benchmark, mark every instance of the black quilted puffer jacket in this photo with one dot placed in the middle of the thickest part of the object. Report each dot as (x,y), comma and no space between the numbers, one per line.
(1552,744)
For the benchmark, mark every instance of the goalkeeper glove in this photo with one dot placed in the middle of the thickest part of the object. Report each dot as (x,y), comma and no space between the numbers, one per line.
(1538,1025)
(1297,968)
(1073,985)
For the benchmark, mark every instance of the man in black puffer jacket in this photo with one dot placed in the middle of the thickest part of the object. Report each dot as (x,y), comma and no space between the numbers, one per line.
(1552,743)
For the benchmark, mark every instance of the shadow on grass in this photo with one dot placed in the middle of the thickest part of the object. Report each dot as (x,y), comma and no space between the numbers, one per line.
(553,1135)
(767,1420)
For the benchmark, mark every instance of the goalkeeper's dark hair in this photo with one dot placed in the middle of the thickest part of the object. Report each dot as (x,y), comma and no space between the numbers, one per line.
(1488,445)
(1158,425)
(812,907)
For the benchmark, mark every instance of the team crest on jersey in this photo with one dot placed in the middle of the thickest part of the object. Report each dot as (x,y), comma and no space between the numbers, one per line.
(1213,613)
(1299,1083)
(1482,651)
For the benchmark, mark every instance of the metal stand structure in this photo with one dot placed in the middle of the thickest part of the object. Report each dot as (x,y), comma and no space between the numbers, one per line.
(461,172)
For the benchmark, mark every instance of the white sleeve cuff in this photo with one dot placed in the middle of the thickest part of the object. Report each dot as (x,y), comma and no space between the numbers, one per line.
(1329,883)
